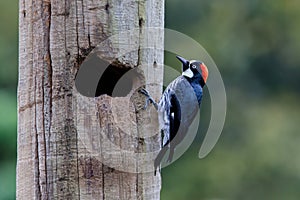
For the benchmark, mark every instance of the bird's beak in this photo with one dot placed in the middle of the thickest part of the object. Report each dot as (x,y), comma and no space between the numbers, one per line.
(185,63)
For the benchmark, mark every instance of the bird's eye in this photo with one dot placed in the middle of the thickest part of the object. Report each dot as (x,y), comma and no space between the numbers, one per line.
(194,66)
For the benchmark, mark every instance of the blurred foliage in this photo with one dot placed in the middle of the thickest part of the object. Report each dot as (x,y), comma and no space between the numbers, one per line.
(256,46)
(8,99)
(8,44)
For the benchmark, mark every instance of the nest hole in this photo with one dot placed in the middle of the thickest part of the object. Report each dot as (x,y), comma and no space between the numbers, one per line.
(98,77)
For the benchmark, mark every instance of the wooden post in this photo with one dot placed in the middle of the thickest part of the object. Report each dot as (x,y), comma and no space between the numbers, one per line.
(57,154)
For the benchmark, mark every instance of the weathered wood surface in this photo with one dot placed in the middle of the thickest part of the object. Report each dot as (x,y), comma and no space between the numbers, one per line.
(58,154)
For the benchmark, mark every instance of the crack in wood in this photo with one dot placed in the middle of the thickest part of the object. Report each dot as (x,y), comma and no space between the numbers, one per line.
(47,88)
(37,160)
(107,7)
(24,13)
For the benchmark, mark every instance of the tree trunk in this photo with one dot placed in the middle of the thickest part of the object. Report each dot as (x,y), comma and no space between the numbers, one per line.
(71,146)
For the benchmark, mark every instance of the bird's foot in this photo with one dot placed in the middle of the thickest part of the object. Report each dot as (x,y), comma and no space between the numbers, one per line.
(149,99)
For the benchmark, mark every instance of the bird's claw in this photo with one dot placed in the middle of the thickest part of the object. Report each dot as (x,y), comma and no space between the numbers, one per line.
(144,92)
(149,99)
(146,104)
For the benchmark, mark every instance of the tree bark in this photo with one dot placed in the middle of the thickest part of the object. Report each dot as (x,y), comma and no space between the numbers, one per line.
(75,147)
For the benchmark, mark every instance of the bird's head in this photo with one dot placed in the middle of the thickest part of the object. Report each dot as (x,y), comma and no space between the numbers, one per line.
(194,69)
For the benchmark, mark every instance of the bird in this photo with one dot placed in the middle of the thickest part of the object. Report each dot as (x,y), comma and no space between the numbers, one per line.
(178,106)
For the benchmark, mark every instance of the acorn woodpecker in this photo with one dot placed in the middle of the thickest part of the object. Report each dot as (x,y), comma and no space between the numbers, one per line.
(178,106)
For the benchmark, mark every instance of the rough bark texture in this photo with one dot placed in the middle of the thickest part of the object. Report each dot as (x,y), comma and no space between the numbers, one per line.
(63,151)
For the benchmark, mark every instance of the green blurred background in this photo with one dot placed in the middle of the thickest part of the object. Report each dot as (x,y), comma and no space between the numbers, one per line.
(256,45)
(8,97)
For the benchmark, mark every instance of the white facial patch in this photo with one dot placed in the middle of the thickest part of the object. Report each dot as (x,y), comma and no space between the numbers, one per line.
(188,73)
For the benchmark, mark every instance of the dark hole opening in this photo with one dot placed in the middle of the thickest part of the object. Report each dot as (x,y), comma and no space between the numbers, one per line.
(98,77)
(114,82)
